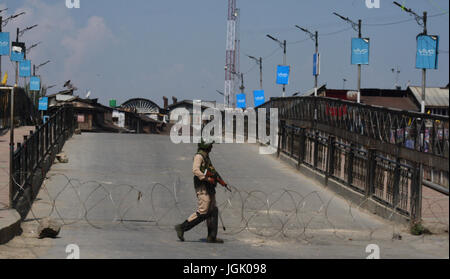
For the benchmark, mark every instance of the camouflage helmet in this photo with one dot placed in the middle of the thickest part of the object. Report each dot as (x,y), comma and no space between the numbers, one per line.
(202,145)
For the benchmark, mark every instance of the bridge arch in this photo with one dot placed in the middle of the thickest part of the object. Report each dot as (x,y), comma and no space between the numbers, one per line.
(142,105)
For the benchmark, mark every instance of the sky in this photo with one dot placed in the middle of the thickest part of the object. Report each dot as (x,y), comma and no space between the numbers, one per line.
(121,49)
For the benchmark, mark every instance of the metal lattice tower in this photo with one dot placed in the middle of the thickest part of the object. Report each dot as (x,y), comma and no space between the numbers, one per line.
(231,57)
(237,76)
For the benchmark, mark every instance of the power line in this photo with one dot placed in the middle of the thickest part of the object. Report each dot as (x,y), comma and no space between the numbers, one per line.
(272,53)
(336,32)
(298,42)
(401,21)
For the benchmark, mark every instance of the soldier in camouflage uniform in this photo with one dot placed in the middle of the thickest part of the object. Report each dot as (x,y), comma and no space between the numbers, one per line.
(206,196)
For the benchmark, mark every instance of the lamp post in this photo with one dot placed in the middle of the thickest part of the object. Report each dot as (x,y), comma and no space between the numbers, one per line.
(357,28)
(3,23)
(258,62)
(36,68)
(422,21)
(315,38)
(20,34)
(283,46)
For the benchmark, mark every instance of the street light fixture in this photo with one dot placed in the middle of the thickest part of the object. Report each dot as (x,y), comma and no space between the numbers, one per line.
(21,32)
(3,23)
(33,46)
(357,28)
(258,62)
(315,38)
(18,35)
(41,65)
(422,21)
(283,46)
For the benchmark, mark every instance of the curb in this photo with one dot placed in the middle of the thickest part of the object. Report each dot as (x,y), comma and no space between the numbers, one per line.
(9,225)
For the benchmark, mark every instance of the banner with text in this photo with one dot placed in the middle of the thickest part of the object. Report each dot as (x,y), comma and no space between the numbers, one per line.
(25,68)
(283,74)
(258,97)
(35,84)
(427,52)
(241,101)
(360,51)
(4,43)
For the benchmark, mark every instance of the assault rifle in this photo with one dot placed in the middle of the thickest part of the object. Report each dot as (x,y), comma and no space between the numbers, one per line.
(211,172)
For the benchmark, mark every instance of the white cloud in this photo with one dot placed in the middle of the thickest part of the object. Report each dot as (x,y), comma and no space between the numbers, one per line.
(67,43)
(85,42)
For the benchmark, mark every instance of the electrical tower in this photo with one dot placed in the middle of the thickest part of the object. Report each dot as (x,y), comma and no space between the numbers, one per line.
(232,55)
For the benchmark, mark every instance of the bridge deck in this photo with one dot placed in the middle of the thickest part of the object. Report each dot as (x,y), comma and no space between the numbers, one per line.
(146,181)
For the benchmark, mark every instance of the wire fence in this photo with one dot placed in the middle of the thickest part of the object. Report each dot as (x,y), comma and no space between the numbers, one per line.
(394,182)
(283,212)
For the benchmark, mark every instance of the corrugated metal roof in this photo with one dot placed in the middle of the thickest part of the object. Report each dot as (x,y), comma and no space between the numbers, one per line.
(403,103)
(434,96)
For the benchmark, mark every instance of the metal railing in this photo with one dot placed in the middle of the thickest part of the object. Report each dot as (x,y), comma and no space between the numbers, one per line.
(415,131)
(45,140)
(384,154)
(394,182)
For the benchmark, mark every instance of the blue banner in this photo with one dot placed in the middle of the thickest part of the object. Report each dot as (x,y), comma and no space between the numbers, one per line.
(427,52)
(43,103)
(360,51)
(35,84)
(25,68)
(17,52)
(283,74)
(316,64)
(4,44)
(258,96)
(240,101)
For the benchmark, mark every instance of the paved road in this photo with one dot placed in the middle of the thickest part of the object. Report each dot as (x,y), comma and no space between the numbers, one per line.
(134,188)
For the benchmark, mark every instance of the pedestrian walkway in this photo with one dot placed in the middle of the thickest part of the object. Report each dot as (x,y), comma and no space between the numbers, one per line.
(4,161)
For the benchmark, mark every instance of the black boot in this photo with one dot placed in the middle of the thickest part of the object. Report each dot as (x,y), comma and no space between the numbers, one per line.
(186,225)
(180,230)
(213,224)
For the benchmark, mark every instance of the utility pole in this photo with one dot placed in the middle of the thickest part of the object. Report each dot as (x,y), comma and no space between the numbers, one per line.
(424,71)
(1,30)
(315,38)
(242,88)
(356,27)
(20,33)
(259,62)
(283,46)
(359,66)
(17,63)
(260,74)
(284,63)
(422,21)
(5,22)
